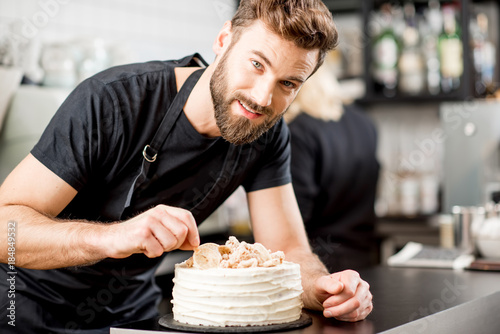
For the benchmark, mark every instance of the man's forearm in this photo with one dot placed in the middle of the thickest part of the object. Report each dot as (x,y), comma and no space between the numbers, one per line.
(42,242)
(311,268)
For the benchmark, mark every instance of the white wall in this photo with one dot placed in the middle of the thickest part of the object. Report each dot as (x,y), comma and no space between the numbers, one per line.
(131,30)
(134,30)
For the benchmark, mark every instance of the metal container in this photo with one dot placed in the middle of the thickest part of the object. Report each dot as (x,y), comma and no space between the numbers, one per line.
(463,219)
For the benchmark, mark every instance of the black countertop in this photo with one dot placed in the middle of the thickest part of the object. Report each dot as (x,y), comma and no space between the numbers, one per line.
(408,300)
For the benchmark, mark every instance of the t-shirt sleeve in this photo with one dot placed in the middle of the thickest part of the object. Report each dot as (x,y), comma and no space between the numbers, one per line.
(78,134)
(274,168)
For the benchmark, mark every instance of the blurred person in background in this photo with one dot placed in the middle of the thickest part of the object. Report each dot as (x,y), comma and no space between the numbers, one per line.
(334,172)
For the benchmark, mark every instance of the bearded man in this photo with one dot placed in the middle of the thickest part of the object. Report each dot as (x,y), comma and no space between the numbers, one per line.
(138,155)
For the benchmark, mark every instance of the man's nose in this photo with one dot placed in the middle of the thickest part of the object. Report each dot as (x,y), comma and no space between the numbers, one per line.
(262,93)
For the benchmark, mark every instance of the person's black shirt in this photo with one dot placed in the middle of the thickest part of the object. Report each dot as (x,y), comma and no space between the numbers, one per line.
(334,175)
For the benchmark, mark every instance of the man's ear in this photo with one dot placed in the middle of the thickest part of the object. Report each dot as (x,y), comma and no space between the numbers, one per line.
(223,39)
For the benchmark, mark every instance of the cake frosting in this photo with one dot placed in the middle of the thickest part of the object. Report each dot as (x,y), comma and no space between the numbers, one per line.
(237,284)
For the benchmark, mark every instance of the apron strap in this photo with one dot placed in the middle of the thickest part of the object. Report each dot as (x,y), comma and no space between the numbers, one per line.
(150,151)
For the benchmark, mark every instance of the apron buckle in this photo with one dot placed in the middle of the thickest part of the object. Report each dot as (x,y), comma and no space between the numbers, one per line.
(148,157)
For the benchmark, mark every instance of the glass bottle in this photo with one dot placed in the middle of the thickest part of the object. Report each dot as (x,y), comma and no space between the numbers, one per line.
(431,29)
(385,54)
(410,65)
(450,51)
(484,54)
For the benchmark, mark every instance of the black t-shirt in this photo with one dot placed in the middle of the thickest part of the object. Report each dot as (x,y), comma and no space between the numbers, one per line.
(334,175)
(95,143)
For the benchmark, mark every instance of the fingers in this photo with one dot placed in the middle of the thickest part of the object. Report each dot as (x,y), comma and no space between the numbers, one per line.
(152,247)
(356,315)
(175,228)
(328,285)
(158,230)
(350,280)
(353,303)
(170,236)
(187,219)
(352,309)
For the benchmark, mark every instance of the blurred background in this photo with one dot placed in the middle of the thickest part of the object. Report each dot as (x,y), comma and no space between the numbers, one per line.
(425,71)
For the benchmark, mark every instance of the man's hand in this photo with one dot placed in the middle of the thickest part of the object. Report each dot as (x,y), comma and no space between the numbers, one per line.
(344,296)
(158,230)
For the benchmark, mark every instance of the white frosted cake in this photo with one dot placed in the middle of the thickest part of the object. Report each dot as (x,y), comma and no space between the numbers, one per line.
(238,284)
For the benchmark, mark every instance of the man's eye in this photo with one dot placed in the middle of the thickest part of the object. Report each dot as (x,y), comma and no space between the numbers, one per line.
(288,84)
(256,64)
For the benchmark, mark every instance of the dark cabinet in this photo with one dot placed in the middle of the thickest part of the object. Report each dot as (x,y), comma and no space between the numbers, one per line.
(413,76)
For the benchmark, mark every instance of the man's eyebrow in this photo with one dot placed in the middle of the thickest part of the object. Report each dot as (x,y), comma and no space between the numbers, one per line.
(264,58)
(297,79)
(268,63)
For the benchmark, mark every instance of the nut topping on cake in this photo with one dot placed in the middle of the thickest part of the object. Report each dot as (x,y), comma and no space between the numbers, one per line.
(207,256)
(234,254)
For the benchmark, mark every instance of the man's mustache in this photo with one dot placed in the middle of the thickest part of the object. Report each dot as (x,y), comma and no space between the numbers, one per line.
(252,105)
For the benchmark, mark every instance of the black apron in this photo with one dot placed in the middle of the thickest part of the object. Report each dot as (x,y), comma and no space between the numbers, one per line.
(150,153)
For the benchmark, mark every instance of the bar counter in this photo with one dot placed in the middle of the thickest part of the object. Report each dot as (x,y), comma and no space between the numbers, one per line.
(406,300)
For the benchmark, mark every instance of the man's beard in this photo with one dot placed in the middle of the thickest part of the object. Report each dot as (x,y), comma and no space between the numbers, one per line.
(236,129)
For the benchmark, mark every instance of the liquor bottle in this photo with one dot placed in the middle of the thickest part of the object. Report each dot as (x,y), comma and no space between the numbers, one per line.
(410,65)
(431,28)
(484,53)
(450,51)
(385,54)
